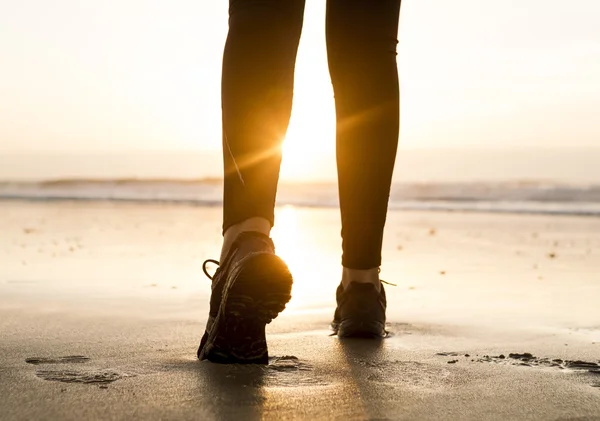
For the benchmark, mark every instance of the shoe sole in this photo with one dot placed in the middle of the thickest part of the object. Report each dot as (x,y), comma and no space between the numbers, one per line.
(254,296)
(361,329)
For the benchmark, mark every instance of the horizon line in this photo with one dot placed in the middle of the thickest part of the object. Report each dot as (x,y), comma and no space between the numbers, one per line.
(219,180)
(461,148)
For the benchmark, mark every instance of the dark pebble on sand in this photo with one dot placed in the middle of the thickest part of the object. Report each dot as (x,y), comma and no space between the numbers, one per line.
(452,361)
(467,355)
(524,356)
(581,364)
(501,356)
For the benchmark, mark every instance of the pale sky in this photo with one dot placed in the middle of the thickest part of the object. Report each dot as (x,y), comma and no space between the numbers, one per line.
(133,75)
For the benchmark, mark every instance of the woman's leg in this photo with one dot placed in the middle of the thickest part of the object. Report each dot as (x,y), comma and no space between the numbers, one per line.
(361,48)
(252,285)
(257,85)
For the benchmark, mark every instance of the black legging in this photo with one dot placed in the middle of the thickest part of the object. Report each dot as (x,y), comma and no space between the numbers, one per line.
(257,85)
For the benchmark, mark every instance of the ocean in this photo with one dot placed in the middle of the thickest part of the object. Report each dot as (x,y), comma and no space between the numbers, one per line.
(516,197)
(549,181)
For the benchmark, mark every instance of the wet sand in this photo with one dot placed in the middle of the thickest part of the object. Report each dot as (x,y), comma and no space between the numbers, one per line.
(102,307)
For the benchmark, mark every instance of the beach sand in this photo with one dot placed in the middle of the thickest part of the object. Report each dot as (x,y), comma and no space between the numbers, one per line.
(102,306)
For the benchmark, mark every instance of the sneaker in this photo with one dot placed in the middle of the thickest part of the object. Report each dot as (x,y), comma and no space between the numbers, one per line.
(360,311)
(249,289)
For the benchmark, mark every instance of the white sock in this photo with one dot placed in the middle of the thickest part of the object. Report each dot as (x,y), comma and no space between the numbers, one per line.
(358,275)
(255,224)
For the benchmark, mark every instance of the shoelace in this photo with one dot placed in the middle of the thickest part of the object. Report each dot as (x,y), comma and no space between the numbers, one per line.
(382,281)
(216,262)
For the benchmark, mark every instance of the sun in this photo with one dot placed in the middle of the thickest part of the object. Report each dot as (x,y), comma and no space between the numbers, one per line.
(309,146)
(301,157)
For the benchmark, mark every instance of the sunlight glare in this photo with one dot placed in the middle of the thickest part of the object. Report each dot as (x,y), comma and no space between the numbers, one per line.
(298,248)
(308,150)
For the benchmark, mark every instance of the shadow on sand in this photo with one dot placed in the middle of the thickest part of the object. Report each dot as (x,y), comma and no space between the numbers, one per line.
(251,392)
(225,392)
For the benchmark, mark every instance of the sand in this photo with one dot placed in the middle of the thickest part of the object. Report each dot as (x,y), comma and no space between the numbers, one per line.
(102,306)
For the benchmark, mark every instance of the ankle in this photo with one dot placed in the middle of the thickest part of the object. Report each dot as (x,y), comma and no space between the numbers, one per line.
(255,224)
(362,276)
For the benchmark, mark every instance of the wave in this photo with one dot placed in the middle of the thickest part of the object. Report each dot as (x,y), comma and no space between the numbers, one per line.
(513,197)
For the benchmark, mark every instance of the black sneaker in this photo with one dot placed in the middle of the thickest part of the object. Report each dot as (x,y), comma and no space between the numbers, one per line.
(249,289)
(360,311)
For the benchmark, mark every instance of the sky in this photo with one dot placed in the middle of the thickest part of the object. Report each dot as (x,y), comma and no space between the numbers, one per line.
(122,76)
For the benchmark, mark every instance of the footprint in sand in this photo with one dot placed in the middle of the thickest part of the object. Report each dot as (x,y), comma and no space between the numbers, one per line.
(101,377)
(287,363)
(69,359)
(527,359)
(285,371)
(289,371)
(86,377)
